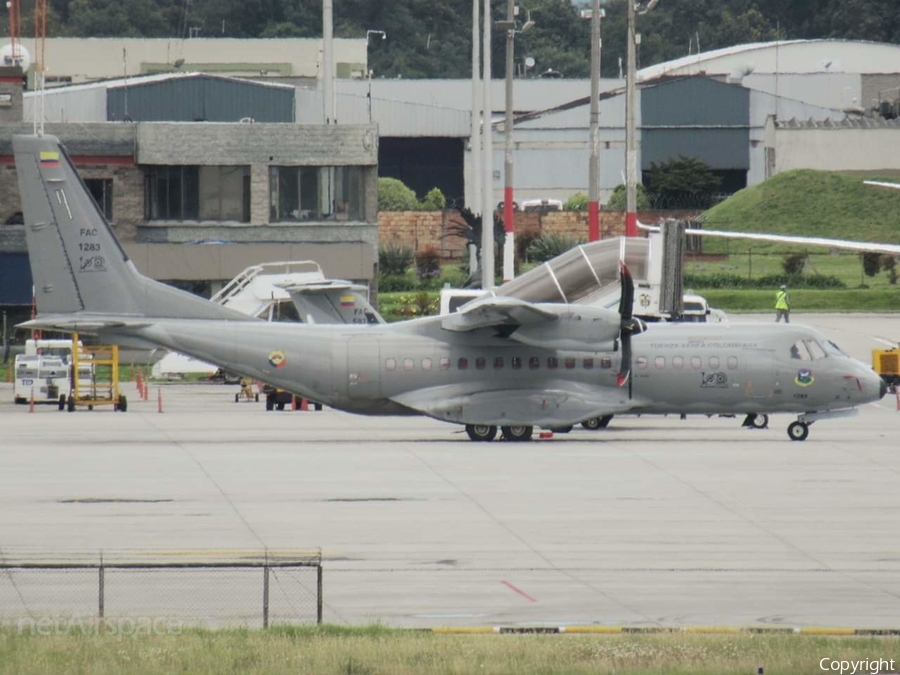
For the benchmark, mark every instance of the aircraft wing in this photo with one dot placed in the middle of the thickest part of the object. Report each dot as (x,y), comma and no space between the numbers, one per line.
(861,246)
(496,311)
(558,403)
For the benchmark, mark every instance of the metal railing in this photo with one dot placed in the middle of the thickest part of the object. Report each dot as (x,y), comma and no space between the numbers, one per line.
(195,588)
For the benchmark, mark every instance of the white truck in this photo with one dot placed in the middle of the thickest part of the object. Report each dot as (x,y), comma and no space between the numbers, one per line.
(43,373)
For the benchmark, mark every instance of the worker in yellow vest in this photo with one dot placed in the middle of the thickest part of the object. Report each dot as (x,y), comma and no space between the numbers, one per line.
(782,305)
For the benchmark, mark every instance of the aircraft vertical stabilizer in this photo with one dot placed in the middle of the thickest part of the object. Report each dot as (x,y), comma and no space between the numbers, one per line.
(77,264)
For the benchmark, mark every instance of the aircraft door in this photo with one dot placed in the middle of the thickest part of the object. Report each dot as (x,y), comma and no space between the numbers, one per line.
(363,367)
(762,378)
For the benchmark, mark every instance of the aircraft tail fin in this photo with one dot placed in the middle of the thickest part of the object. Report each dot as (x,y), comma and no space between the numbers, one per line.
(333,302)
(77,264)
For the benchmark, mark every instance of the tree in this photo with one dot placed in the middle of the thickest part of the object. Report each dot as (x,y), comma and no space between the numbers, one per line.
(393,195)
(616,201)
(682,181)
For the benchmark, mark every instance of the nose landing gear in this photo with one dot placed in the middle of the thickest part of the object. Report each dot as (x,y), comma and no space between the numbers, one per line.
(798,431)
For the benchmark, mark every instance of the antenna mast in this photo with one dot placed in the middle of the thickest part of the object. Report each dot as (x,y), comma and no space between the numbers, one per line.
(40,40)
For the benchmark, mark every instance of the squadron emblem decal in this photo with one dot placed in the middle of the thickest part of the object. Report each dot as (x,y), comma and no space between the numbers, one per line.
(804,377)
(277,359)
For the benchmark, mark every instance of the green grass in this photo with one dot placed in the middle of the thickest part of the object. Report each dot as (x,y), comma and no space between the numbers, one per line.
(802,300)
(376,651)
(808,203)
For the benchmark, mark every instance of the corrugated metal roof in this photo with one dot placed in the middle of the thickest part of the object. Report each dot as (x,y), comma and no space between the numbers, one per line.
(846,123)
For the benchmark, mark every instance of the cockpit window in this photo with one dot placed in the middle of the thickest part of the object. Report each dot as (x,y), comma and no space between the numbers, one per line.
(834,349)
(799,351)
(815,349)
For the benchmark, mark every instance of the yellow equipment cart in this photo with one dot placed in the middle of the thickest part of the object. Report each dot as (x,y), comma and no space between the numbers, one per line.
(102,361)
(886,363)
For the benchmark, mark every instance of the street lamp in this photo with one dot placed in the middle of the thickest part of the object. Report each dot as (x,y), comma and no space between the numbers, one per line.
(630,130)
(369,71)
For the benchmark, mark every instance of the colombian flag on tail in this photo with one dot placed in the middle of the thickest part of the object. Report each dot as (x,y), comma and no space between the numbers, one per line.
(50,159)
(348,301)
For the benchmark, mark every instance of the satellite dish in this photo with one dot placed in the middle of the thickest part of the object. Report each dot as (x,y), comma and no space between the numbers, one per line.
(529,62)
(20,58)
(178,63)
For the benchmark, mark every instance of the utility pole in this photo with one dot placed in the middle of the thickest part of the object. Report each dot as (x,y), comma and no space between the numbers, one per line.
(328,61)
(594,168)
(475,141)
(509,218)
(630,129)
(487,198)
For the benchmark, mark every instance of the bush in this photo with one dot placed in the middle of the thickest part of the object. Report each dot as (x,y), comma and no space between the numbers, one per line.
(548,246)
(393,283)
(617,199)
(871,263)
(525,238)
(889,265)
(394,259)
(772,281)
(577,202)
(393,195)
(793,263)
(434,201)
(428,263)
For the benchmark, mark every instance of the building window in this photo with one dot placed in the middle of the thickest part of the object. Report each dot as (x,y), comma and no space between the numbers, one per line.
(101,190)
(218,193)
(298,193)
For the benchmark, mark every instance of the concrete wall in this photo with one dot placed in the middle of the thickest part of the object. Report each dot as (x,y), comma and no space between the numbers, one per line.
(837,149)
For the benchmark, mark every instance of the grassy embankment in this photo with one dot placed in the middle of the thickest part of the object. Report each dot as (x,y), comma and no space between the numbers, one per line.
(377,650)
(805,203)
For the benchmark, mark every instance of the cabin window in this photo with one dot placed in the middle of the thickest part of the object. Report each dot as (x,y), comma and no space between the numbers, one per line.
(660,362)
(534,363)
(552,362)
(408,364)
(426,364)
(463,363)
(714,362)
(588,363)
(569,362)
(641,362)
(696,362)
(732,363)
(678,362)
(516,362)
(606,363)
(445,363)
(480,363)
(390,365)
(498,362)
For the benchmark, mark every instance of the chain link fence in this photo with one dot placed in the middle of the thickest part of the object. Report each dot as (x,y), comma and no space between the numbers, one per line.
(196,589)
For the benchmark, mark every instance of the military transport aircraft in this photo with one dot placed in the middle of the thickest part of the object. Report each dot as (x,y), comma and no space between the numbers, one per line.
(499,362)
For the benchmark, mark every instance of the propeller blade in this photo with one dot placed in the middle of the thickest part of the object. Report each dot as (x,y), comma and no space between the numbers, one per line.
(626,328)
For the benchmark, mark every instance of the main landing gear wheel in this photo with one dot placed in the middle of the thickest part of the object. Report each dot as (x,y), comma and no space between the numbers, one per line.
(757,421)
(481,432)
(595,423)
(798,431)
(517,434)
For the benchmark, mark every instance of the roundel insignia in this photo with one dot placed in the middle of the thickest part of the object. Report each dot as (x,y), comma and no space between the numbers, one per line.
(277,359)
(804,377)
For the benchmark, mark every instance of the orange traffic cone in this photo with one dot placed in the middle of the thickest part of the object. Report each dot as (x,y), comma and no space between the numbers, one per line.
(31,402)
(159,406)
